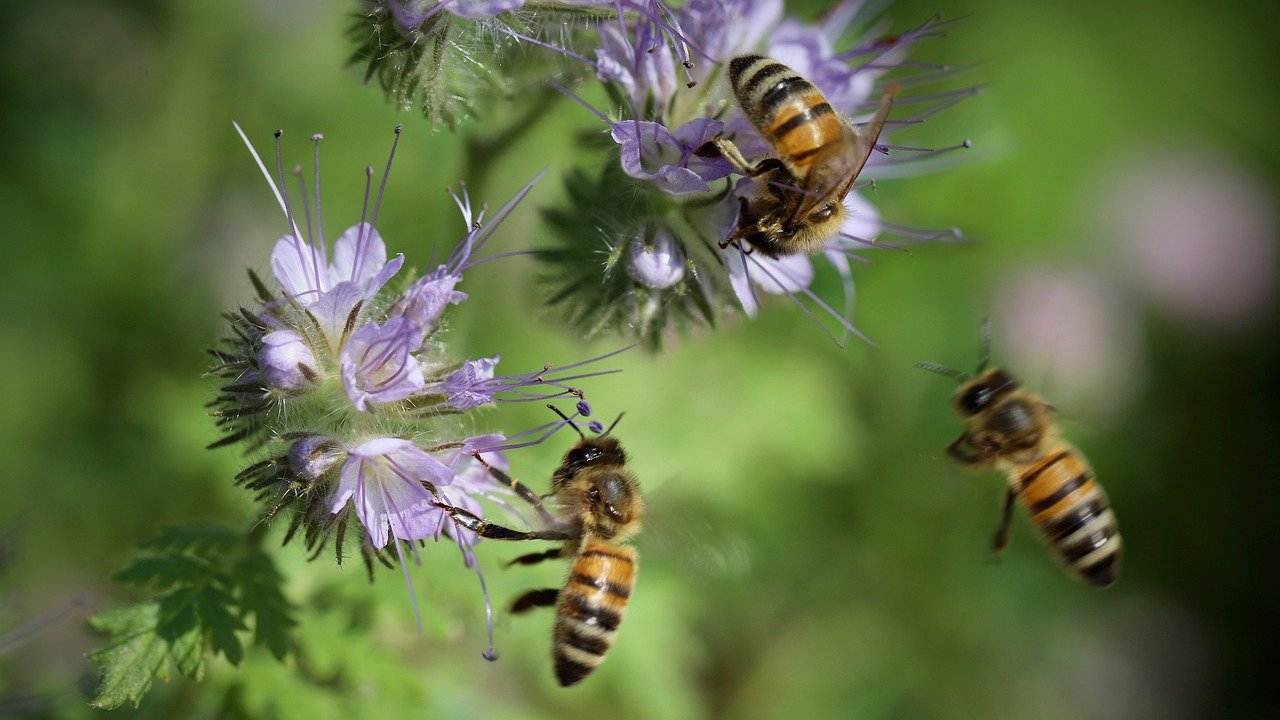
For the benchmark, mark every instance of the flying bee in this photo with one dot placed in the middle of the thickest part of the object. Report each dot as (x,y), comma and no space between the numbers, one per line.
(1013,430)
(800,191)
(602,509)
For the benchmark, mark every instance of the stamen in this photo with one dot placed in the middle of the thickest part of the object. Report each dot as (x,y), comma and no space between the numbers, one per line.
(843,322)
(404,568)
(302,191)
(408,583)
(469,559)
(365,228)
(315,184)
(577,99)
(271,183)
(479,236)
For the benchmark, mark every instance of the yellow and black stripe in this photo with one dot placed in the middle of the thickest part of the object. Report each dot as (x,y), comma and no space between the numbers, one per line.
(590,608)
(789,111)
(1073,514)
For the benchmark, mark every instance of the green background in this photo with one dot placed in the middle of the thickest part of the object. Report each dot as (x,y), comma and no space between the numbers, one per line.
(810,551)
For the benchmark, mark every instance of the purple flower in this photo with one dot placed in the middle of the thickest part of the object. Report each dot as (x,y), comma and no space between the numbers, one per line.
(657,261)
(427,299)
(724,28)
(642,65)
(331,291)
(651,152)
(468,387)
(312,457)
(378,362)
(286,360)
(386,480)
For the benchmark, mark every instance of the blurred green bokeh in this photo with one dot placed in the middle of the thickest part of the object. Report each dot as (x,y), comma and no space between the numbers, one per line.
(811,552)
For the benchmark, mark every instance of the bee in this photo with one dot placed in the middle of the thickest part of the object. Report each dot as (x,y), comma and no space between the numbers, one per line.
(1013,430)
(800,191)
(602,511)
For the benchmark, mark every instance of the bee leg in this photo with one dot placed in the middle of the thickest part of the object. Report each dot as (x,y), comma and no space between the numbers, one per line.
(486,529)
(967,450)
(545,597)
(535,558)
(516,486)
(729,151)
(1006,518)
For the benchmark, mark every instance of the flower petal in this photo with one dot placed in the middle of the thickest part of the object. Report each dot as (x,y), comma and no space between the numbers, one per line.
(465,386)
(378,363)
(427,299)
(283,359)
(300,268)
(359,255)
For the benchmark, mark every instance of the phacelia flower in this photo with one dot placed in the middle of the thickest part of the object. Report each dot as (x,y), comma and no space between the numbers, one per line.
(347,389)
(665,69)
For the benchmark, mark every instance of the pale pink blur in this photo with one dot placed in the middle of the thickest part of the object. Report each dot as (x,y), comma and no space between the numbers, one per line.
(1070,335)
(1195,234)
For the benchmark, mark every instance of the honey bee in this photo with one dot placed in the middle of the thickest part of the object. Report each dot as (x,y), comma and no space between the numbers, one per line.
(602,510)
(1013,430)
(800,191)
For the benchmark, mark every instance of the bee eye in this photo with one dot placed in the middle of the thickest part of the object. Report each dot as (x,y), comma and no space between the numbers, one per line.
(582,456)
(824,214)
(976,399)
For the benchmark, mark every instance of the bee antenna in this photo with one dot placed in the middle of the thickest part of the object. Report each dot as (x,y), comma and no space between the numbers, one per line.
(567,421)
(613,424)
(984,344)
(943,370)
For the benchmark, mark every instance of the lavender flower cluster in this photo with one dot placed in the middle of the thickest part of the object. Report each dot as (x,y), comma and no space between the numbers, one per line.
(671,256)
(348,389)
(660,254)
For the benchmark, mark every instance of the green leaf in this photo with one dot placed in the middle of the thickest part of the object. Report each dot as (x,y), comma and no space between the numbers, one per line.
(136,654)
(260,596)
(212,580)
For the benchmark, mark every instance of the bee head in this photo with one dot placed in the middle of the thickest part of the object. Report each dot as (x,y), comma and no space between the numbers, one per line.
(593,451)
(979,393)
(812,231)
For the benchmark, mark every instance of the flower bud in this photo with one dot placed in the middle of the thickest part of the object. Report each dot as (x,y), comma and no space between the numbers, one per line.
(655,262)
(286,360)
(312,457)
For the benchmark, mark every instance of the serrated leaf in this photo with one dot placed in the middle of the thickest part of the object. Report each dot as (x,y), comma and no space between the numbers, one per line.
(213,581)
(260,596)
(215,607)
(135,656)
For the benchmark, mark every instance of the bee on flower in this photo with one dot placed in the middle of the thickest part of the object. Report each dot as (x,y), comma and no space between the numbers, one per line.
(348,392)
(668,234)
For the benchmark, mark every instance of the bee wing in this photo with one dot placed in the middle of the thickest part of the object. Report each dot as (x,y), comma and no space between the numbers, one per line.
(836,169)
(694,536)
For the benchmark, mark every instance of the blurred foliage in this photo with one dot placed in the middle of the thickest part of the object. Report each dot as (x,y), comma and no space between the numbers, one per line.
(810,550)
(208,582)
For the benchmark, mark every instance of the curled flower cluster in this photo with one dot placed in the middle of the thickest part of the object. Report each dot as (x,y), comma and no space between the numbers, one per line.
(347,388)
(664,253)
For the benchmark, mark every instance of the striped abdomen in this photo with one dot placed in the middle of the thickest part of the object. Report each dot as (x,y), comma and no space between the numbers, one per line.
(788,110)
(1073,515)
(590,608)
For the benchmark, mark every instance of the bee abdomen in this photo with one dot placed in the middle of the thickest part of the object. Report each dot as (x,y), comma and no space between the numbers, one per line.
(1073,515)
(590,608)
(787,109)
